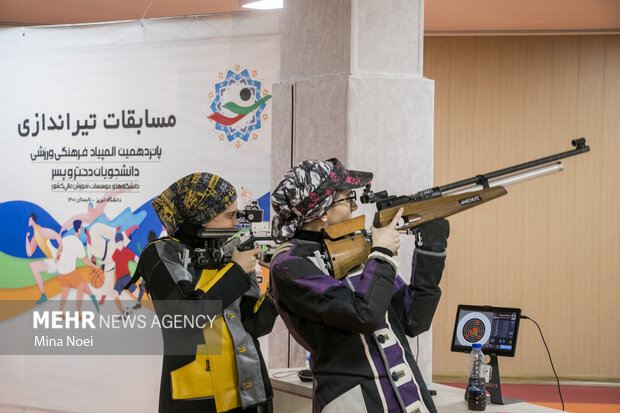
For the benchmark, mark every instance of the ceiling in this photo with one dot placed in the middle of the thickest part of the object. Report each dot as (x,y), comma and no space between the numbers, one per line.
(441,16)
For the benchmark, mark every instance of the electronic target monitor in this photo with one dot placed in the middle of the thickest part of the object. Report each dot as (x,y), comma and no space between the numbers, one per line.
(496,328)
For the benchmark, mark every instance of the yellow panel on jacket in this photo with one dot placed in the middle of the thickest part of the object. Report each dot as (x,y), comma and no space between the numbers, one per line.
(214,371)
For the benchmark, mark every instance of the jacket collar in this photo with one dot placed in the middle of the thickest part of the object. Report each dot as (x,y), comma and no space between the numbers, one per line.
(305,235)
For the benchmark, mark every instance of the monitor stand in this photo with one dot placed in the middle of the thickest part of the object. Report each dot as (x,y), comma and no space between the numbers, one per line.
(494,386)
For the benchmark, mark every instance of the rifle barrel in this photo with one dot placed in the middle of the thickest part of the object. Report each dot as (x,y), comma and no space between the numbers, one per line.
(580,145)
(217,233)
(514,178)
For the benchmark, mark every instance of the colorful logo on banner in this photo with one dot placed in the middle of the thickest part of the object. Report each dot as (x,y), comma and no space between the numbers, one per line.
(238,105)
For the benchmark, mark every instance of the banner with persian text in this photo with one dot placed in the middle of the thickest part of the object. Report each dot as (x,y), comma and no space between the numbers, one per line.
(97,120)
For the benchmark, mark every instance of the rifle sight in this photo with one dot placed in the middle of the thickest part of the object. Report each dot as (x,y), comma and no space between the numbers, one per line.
(368,197)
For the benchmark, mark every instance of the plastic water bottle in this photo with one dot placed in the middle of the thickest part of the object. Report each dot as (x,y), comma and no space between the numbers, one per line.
(476,392)
(306,374)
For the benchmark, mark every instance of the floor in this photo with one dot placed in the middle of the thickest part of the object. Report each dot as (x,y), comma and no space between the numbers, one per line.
(577,398)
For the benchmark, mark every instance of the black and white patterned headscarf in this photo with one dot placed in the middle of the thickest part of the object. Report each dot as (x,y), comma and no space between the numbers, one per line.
(307,191)
(196,198)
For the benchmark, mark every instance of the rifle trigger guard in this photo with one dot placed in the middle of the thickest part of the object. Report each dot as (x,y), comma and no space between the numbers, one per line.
(482,180)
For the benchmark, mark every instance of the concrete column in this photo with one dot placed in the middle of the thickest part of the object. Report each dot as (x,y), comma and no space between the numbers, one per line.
(352,88)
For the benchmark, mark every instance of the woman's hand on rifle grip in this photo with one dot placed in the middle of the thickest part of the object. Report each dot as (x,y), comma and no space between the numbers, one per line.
(246,259)
(388,237)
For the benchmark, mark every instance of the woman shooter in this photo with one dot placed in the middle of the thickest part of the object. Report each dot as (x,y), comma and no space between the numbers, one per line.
(235,380)
(355,327)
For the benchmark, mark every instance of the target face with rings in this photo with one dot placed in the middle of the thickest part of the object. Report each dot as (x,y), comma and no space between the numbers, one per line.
(474,327)
(473,330)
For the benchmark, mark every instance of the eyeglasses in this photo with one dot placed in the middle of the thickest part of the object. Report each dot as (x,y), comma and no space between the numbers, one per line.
(351,198)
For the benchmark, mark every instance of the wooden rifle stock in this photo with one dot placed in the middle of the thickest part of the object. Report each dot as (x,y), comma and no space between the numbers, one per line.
(417,213)
(344,250)
(347,253)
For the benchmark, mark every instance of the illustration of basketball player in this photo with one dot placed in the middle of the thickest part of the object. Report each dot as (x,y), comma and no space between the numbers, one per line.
(41,238)
(121,258)
(73,249)
(101,244)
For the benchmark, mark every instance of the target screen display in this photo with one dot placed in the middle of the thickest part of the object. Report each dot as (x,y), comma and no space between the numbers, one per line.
(495,328)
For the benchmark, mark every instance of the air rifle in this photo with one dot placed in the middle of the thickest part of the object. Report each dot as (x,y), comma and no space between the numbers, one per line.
(219,244)
(347,243)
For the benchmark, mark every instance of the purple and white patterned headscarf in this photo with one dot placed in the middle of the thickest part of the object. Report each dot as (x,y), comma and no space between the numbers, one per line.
(307,191)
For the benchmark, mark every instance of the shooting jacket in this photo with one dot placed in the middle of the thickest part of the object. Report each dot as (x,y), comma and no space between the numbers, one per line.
(235,380)
(355,328)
